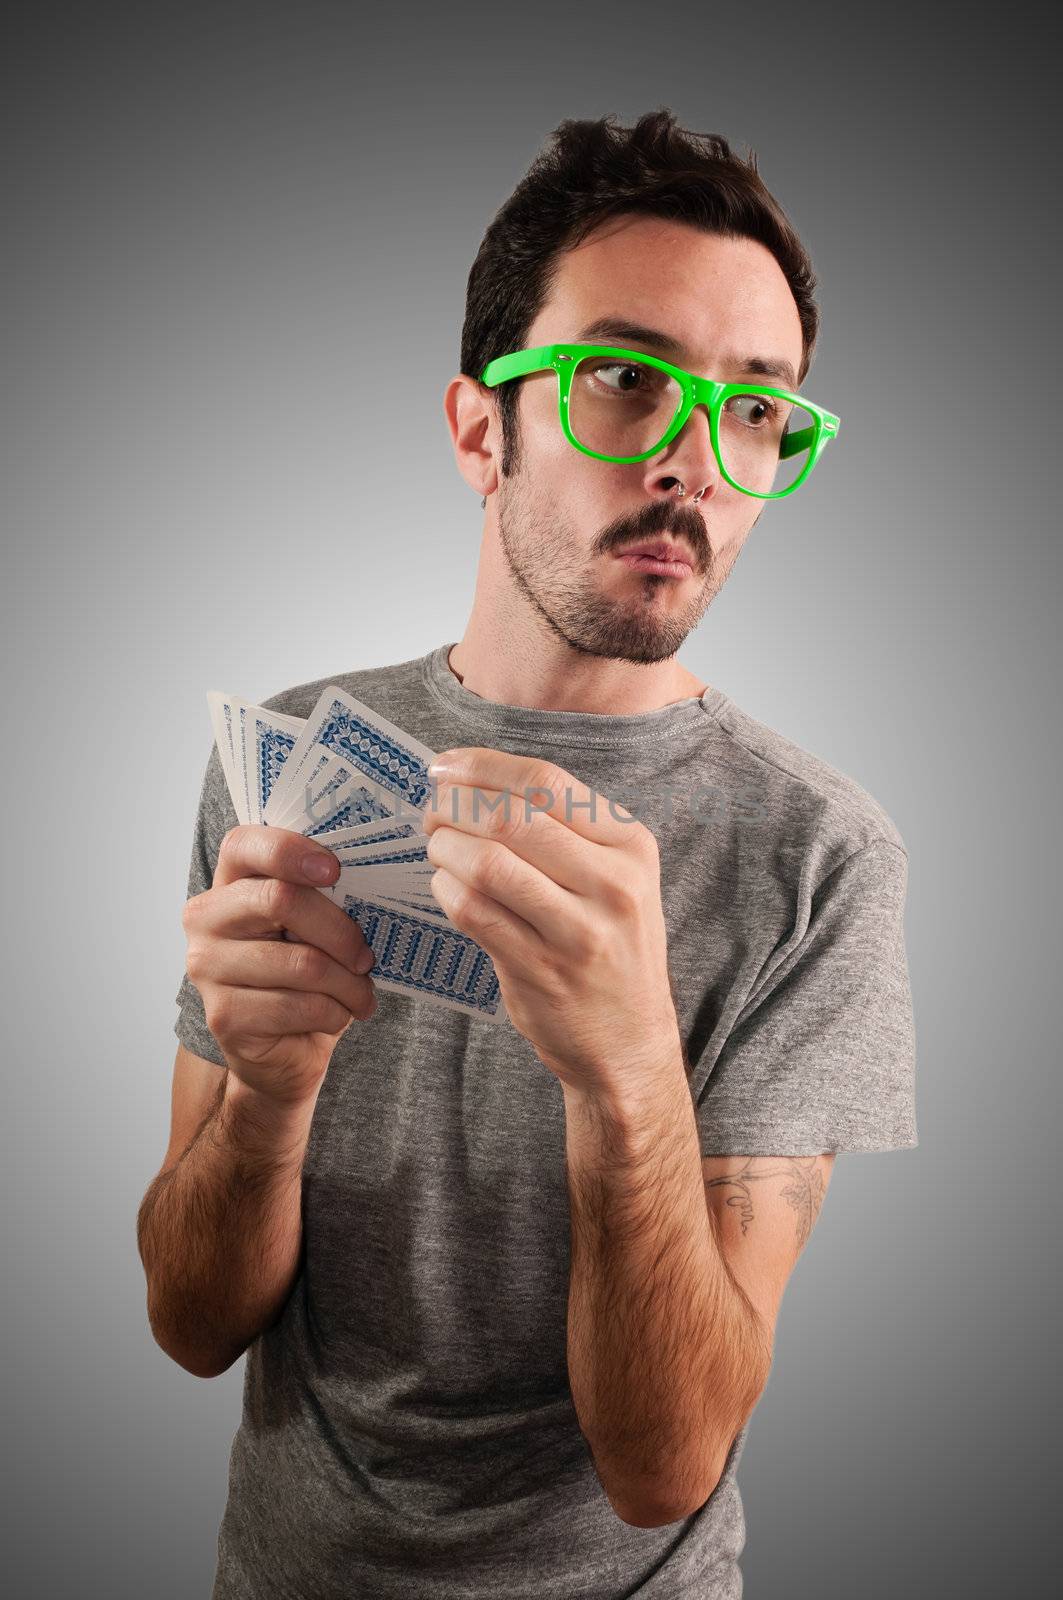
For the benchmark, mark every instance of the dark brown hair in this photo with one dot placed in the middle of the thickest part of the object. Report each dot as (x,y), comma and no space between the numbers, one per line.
(594,170)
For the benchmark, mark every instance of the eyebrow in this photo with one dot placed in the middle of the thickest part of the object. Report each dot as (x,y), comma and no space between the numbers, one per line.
(635,333)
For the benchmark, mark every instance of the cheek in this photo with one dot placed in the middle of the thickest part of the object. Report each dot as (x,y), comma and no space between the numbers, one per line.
(560,483)
(725,554)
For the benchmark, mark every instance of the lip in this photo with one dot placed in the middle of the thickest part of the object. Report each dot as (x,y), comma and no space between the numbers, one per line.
(658,555)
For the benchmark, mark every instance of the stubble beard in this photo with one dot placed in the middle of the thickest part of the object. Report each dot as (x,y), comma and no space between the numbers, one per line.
(560,582)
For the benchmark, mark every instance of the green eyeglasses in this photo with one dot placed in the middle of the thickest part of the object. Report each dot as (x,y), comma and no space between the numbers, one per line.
(623,405)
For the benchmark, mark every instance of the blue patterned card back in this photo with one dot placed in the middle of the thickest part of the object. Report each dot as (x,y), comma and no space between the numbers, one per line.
(418,954)
(382,753)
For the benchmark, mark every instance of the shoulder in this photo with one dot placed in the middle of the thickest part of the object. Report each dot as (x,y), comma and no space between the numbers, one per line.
(805,796)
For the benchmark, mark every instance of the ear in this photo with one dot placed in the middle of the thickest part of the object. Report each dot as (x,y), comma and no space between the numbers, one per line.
(472,417)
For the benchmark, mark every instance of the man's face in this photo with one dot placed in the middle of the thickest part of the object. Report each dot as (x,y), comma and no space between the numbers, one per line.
(563,516)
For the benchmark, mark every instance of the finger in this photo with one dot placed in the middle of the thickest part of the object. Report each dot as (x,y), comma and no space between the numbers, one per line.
(544,784)
(268,964)
(237,1013)
(254,850)
(507,938)
(571,860)
(547,913)
(261,908)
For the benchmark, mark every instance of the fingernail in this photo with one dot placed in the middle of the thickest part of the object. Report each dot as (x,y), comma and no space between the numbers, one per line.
(318,867)
(364,961)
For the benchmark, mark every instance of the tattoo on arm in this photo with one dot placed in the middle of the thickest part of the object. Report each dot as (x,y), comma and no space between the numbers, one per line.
(803,1192)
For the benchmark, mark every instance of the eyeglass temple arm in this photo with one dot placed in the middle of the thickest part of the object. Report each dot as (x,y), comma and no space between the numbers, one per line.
(516,365)
(794,443)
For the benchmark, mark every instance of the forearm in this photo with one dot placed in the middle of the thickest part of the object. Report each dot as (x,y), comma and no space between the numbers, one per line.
(220,1233)
(666,1356)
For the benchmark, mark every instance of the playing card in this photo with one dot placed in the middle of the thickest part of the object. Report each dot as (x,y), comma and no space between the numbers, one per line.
(227,719)
(359,785)
(374,881)
(268,741)
(386,830)
(221,720)
(330,795)
(314,797)
(358,804)
(366,835)
(420,954)
(390,763)
(413,905)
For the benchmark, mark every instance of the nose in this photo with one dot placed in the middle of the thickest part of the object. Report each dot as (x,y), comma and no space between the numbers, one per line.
(689,458)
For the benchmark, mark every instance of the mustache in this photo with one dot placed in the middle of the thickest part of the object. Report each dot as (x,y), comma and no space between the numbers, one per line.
(657,522)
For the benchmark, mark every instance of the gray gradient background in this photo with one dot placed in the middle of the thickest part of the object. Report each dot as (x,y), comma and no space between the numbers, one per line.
(219,217)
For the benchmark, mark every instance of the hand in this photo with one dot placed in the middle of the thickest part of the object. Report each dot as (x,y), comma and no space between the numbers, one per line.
(276,1008)
(566,901)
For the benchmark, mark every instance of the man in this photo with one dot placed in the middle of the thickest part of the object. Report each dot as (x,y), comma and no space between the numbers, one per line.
(509,1293)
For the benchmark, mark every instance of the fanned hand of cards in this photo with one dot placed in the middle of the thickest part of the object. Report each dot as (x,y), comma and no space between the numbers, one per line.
(350,779)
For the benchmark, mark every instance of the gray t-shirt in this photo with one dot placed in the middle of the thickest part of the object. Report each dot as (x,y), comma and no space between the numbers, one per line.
(408,1429)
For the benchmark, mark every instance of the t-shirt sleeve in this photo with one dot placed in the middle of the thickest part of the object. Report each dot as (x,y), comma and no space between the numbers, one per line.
(822,1056)
(214,817)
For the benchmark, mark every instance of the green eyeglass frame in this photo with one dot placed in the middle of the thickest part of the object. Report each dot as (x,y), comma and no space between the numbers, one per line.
(696,391)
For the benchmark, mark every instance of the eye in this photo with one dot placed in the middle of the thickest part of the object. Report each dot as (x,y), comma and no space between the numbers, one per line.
(759,410)
(620,380)
(632,376)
